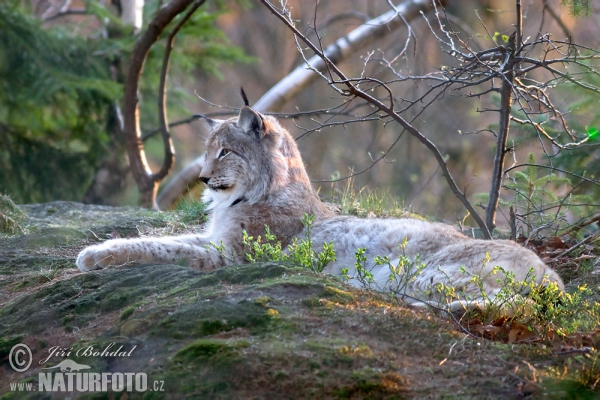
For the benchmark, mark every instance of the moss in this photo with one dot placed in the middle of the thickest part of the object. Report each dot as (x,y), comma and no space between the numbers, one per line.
(134,327)
(312,301)
(203,318)
(568,389)
(126,313)
(369,383)
(48,237)
(6,345)
(252,273)
(338,295)
(262,301)
(214,364)
(202,349)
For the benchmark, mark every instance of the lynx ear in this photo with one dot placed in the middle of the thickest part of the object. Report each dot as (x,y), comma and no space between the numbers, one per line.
(209,123)
(251,122)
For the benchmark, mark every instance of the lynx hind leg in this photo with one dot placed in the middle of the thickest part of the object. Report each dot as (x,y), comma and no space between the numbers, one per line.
(492,308)
(489,308)
(459,293)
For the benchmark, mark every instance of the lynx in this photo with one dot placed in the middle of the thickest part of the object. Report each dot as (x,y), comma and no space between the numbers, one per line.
(255,178)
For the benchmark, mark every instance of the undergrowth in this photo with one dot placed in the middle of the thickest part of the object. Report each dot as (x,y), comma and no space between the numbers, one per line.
(298,252)
(522,311)
(11,218)
(541,204)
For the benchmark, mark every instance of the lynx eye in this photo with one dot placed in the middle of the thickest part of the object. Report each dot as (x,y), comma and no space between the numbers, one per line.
(223,153)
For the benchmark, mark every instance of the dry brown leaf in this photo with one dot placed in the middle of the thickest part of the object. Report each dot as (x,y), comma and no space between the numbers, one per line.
(555,242)
(518,332)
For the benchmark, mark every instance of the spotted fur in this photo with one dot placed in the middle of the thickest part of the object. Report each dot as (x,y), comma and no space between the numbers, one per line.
(255,177)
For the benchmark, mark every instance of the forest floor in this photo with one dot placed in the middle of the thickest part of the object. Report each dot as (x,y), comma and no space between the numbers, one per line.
(258,331)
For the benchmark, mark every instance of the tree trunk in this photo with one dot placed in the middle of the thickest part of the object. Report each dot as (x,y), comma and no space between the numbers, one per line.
(502,137)
(147,182)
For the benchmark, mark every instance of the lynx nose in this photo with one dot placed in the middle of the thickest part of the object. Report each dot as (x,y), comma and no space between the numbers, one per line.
(204,179)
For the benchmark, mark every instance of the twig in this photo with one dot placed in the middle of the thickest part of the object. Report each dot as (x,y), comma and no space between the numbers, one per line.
(584,241)
(583,350)
(449,353)
(578,225)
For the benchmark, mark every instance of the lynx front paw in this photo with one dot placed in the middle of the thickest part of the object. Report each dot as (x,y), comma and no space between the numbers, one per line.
(94,257)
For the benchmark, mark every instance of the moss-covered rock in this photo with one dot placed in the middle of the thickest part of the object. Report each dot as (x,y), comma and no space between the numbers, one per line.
(253,331)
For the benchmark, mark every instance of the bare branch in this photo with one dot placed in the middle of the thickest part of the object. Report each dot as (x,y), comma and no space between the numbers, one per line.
(359,38)
(352,90)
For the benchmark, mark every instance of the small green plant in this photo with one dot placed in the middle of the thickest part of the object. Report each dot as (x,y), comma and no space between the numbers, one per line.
(402,272)
(192,211)
(301,252)
(363,275)
(543,308)
(535,201)
(257,250)
(564,313)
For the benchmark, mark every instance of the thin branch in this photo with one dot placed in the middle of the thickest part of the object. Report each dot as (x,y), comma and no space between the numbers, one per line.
(373,162)
(583,178)
(360,37)
(578,245)
(352,90)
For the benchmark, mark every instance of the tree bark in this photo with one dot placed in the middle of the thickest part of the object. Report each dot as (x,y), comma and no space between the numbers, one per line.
(502,137)
(147,182)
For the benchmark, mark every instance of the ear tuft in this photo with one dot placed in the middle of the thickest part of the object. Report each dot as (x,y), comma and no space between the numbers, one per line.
(244,97)
(251,122)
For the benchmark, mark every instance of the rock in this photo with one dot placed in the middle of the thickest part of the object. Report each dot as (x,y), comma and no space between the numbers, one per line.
(264,330)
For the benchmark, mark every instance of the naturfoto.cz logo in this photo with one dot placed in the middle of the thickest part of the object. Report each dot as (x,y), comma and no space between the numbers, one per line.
(67,375)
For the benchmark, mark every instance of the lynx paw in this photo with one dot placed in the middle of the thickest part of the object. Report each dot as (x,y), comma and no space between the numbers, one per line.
(94,257)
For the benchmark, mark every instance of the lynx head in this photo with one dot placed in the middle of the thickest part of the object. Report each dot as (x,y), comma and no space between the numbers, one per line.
(247,158)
